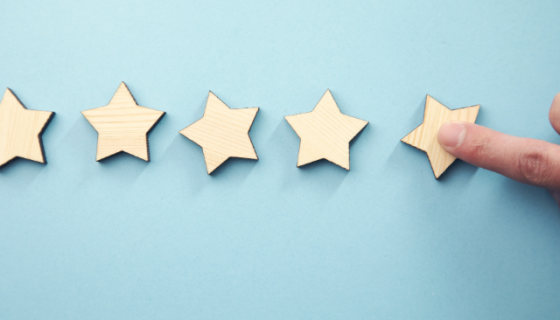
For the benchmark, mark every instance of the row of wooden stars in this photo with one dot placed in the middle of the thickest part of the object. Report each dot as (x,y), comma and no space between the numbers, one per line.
(223,133)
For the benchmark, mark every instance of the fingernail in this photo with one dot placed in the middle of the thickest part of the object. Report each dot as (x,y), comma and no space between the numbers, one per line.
(451,134)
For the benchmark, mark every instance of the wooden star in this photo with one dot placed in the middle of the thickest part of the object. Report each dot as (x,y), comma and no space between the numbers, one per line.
(21,130)
(222,133)
(325,133)
(123,125)
(424,137)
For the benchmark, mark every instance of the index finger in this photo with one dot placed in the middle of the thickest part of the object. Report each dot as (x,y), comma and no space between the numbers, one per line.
(525,160)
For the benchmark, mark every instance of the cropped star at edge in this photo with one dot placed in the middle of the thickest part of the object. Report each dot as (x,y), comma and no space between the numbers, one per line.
(123,125)
(21,130)
(424,137)
(325,133)
(222,133)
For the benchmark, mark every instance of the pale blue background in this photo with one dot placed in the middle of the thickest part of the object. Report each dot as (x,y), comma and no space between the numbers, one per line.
(125,239)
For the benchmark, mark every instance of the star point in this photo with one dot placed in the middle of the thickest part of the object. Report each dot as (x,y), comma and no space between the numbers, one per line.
(424,137)
(21,130)
(123,125)
(325,133)
(222,133)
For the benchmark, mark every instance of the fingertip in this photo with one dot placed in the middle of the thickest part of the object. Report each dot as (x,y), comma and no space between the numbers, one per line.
(554,113)
(556,102)
(451,134)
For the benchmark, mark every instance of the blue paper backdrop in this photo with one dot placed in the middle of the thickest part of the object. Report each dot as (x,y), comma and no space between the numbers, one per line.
(126,239)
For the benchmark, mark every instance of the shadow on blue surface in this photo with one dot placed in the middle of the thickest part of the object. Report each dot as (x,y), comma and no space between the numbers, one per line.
(20,172)
(407,163)
(528,194)
(240,169)
(417,118)
(458,170)
(187,157)
(367,129)
(125,167)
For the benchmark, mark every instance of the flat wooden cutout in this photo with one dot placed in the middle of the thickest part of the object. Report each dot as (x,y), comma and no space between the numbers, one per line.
(21,130)
(325,133)
(123,125)
(222,133)
(424,137)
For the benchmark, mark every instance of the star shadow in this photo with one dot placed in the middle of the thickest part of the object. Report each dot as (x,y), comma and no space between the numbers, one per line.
(198,113)
(81,141)
(406,163)
(417,117)
(185,156)
(118,168)
(459,172)
(186,159)
(529,194)
(122,167)
(20,173)
(234,168)
(368,129)
(399,160)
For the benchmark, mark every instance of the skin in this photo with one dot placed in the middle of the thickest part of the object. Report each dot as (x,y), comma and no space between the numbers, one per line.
(529,161)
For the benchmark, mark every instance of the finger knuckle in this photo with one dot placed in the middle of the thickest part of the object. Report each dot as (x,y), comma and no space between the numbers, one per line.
(534,165)
(478,146)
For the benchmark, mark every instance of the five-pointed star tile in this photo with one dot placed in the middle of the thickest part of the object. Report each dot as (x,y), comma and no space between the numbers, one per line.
(325,133)
(223,133)
(425,136)
(21,130)
(123,125)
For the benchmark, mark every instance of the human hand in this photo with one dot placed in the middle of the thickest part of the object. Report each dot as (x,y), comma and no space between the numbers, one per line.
(530,161)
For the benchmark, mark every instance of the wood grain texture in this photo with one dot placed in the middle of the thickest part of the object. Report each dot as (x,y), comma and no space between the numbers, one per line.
(123,125)
(424,137)
(325,133)
(222,133)
(21,130)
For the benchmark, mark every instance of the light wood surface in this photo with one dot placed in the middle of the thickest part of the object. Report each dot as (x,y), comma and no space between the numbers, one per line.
(424,137)
(222,133)
(325,133)
(123,126)
(21,130)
